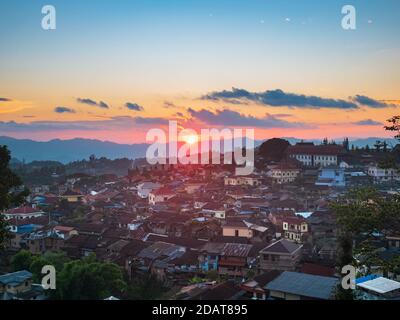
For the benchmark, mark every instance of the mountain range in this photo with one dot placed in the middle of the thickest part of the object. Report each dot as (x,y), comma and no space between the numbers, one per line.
(77,149)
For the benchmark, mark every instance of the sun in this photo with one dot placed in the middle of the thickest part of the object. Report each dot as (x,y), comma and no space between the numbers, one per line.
(191,139)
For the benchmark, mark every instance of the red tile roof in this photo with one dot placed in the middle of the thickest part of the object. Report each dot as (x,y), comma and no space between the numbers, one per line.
(24,209)
(315,150)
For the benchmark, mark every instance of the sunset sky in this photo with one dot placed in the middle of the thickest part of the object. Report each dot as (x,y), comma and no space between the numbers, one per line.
(114,69)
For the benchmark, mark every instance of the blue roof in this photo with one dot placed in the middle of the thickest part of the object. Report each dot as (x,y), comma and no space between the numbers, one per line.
(15,278)
(366,278)
(303,284)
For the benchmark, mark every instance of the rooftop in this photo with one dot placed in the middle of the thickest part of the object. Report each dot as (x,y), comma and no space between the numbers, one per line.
(305,285)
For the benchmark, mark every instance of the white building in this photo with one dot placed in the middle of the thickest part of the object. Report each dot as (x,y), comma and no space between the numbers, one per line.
(381,175)
(315,156)
(144,189)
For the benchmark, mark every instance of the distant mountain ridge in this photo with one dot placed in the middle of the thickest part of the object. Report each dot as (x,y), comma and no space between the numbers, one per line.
(77,149)
(70,150)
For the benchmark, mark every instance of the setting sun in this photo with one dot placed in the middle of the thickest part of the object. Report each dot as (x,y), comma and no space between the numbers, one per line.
(191,139)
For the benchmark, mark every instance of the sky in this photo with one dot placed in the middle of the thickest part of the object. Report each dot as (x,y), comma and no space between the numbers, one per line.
(112,70)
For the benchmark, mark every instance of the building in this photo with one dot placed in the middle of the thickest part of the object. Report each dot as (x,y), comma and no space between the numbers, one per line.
(284,172)
(295,228)
(281,255)
(18,286)
(214,210)
(250,180)
(144,188)
(235,259)
(72,196)
(255,288)
(24,212)
(237,228)
(331,176)
(160,195)
(380,175)
(311,155)
(378,288)
(301,286)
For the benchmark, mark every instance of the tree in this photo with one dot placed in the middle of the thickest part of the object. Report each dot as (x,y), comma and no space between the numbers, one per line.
(21,260)
(274,149)
(8,196)
(89,279)
(394,126)
(362,214)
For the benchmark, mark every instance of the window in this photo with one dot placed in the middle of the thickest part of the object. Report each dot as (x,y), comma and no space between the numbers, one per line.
(236,233)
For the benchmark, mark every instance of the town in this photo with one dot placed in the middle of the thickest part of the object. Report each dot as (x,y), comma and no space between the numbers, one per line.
(201,232)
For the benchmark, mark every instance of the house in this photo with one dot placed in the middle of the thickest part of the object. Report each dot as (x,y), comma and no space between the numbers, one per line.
(311,155)
(378,288)
(281,255)
(236,228)
(235,259)
(284,172)
(214,210)
(72,196)
(295,228)
(160,195)
(301,286)
(250,180)
(244,228)
(209,256)
(255,288)
(65,232)
(18,286)
(380,175)
(144,188)
(168,224)
(24,212)
(193,187)
(331,176)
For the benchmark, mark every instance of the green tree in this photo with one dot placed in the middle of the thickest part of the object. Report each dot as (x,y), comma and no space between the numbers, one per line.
(8,196)
(21,260)
(89,279)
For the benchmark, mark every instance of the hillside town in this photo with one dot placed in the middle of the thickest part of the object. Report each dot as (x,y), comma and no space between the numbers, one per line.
(203,233)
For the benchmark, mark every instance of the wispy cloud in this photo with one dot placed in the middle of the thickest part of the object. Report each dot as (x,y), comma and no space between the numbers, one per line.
(91,102)
(368,122)
(372,103)
(279,98)
(134,106)
(4,99)
(64,110)
(118,123)
(232,118)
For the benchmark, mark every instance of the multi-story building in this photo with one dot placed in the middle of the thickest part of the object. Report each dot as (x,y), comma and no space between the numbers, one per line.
(284,172)
(281,255)
(250,180)
(381,175)
(311,155)
(294,228)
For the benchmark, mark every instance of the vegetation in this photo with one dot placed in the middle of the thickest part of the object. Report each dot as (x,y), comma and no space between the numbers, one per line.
(8,195)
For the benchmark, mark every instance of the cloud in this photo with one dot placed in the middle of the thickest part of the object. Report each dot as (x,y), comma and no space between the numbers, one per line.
(91,102)
(5,99)
(369,102)
(169,105)
(232,118)
(64,110)
(279,98)
(150,121)
(117,123)
(368,122)
(134,106)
